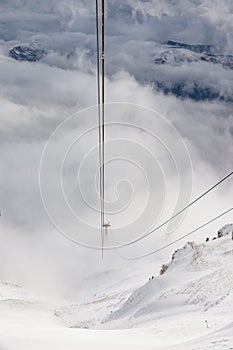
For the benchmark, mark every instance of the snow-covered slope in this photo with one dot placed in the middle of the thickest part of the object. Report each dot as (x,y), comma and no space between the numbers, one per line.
(188,306)
(175,54)
(186,61)
(199,279)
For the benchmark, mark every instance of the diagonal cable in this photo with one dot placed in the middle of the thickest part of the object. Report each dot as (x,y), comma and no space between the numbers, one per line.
(180,238)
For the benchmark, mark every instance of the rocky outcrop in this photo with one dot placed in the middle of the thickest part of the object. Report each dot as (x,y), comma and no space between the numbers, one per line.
(30,53)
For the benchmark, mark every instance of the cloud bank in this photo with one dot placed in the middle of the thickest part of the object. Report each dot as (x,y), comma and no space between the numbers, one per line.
(36,97)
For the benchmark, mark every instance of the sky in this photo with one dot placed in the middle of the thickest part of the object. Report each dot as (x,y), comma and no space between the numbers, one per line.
(171,149)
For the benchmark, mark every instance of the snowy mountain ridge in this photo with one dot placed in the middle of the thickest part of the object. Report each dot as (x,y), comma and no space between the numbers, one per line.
(177,53)
(197,282)
(198,277)
(205,279)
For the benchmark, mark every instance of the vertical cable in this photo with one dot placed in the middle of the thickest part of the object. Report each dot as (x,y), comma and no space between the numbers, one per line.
(103,115)
(99,124)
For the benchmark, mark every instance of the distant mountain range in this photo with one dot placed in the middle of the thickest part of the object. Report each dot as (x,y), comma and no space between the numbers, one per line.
(173,54)
(177,53)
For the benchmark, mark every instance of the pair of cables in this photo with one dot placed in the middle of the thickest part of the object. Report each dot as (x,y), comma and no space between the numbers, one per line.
(100,110)
(210,189)
(101,134)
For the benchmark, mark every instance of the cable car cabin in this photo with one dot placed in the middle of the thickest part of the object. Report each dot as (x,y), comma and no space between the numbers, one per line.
(106,227)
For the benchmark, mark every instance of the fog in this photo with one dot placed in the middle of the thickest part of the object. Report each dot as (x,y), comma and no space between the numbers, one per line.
(171,150)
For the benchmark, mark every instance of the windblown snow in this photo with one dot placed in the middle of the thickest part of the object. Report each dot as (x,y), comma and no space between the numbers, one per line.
(188,305)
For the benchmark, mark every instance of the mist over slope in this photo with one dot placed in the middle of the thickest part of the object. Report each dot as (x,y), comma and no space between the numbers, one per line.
(187,307)
(198,280)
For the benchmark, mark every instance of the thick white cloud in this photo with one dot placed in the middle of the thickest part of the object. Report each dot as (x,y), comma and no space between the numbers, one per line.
(36,97)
